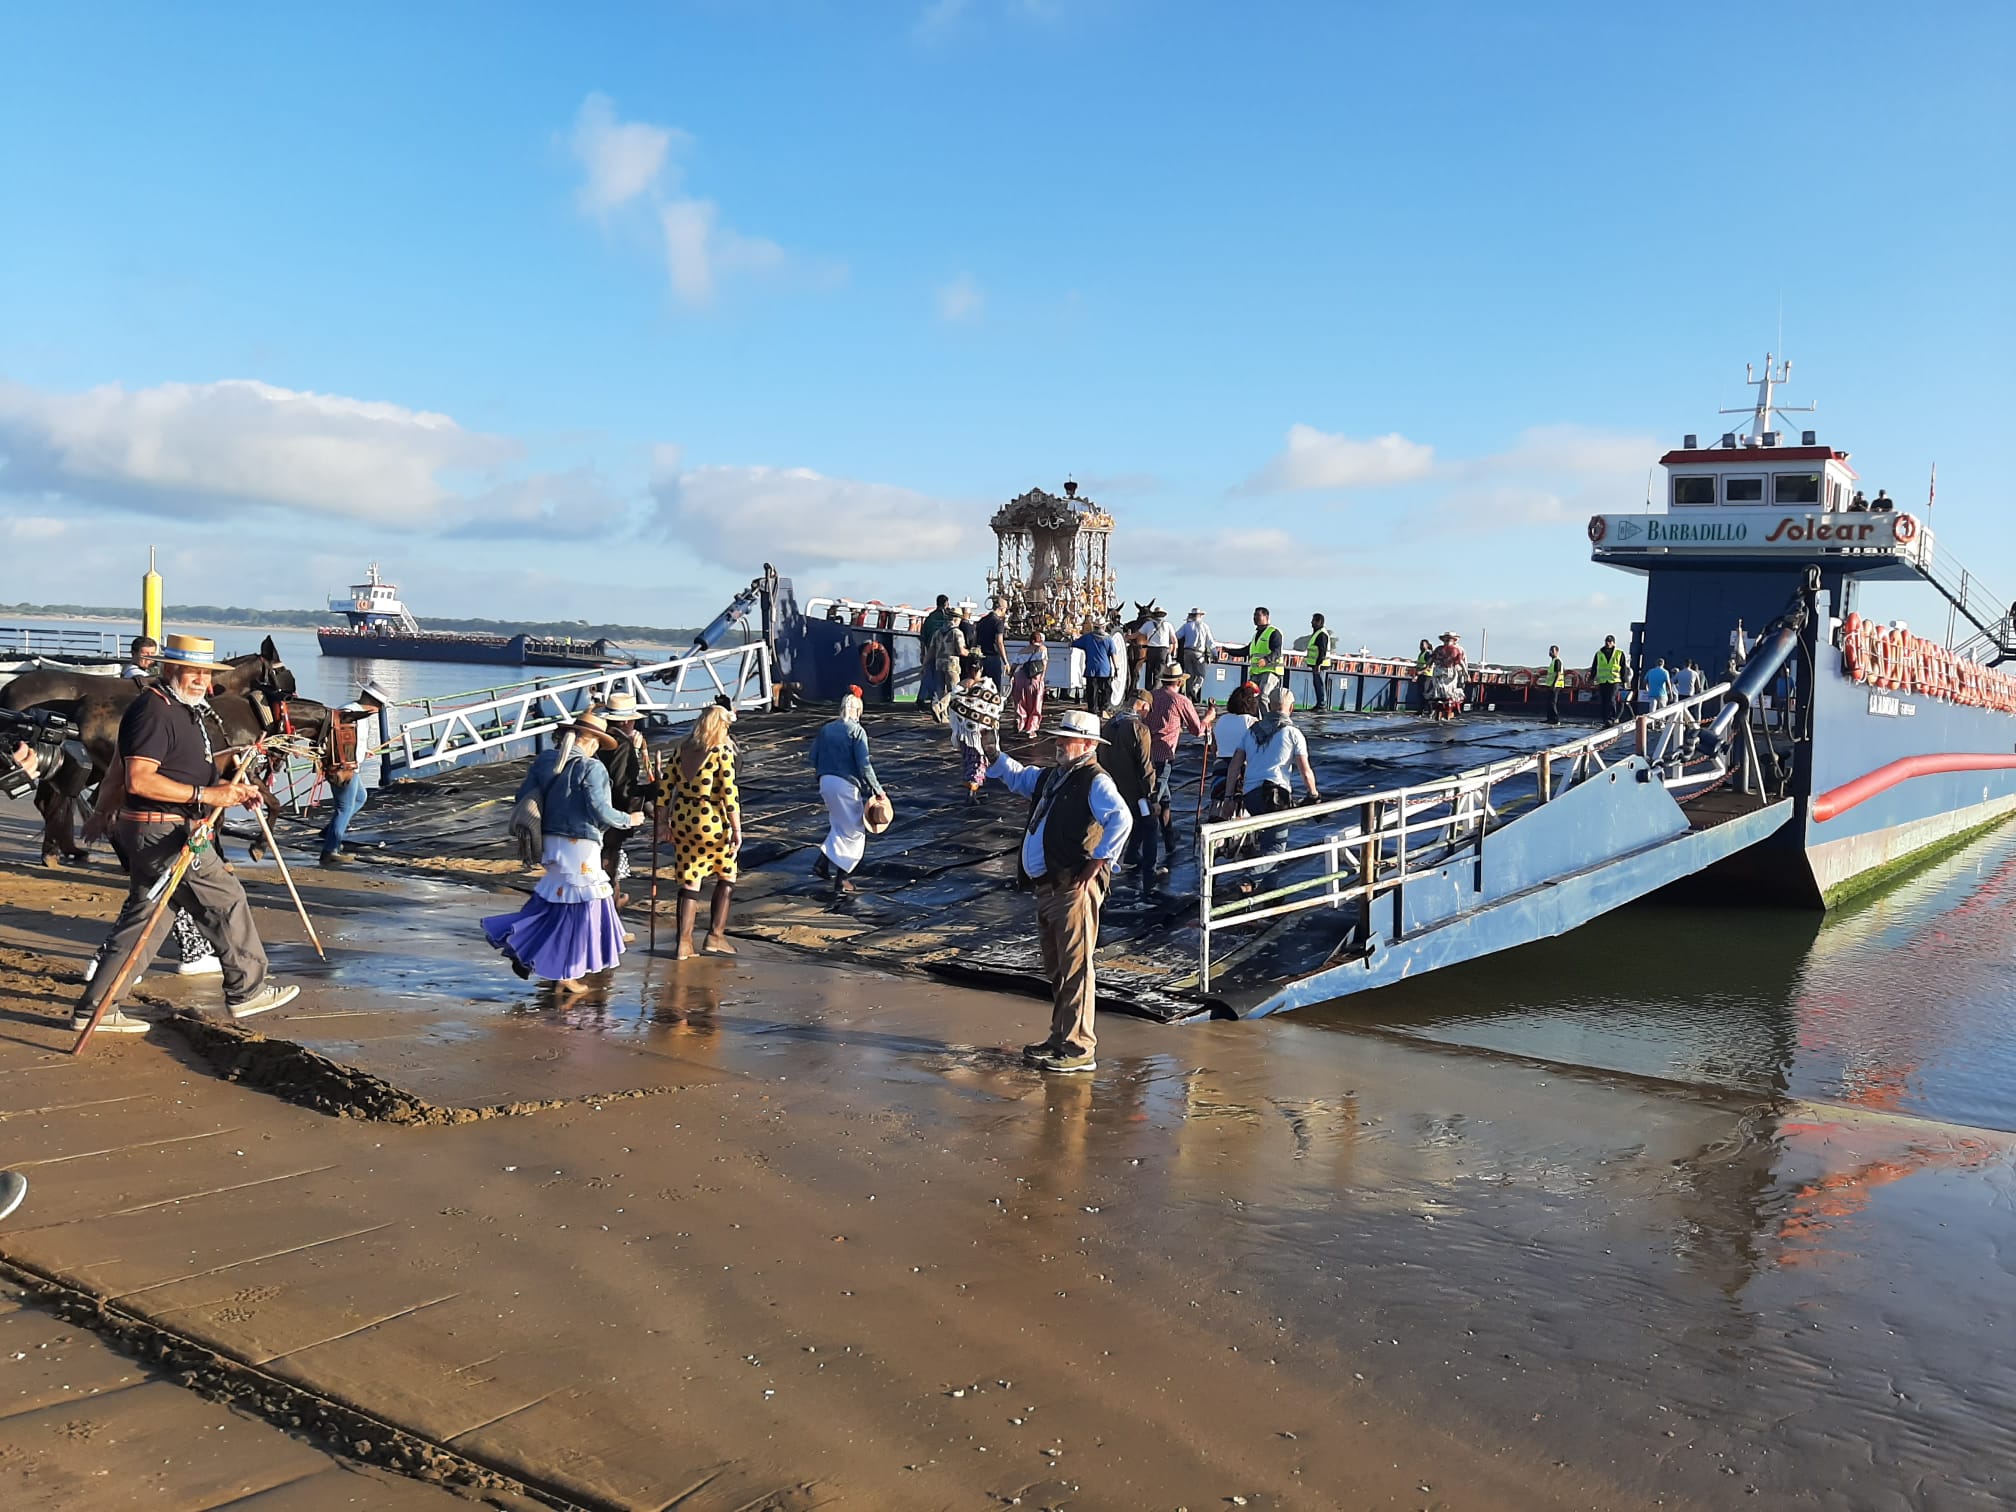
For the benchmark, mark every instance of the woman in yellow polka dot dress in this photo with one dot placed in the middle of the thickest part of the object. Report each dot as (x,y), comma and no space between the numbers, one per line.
(706,829)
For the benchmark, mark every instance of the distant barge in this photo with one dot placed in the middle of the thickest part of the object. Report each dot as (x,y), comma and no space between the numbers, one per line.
(381,626)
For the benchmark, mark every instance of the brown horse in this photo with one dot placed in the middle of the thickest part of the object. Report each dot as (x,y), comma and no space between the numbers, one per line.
(253,697)
(1136,635)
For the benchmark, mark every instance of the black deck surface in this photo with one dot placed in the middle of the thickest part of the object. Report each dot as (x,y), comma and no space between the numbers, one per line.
(936,893)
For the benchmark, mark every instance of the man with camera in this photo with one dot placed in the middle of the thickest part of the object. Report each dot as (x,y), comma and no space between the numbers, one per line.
(172,775)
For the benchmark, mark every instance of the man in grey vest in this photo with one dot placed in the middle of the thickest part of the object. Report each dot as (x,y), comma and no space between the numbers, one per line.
(1077,830)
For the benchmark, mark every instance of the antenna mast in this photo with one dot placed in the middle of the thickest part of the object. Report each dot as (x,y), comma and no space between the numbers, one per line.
(1765,408)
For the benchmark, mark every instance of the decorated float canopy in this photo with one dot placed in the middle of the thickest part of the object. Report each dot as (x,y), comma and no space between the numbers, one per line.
(1051,562)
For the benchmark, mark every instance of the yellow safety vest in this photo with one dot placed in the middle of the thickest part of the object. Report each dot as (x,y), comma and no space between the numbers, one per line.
(1555,676)
(1264,655)
(1610,666)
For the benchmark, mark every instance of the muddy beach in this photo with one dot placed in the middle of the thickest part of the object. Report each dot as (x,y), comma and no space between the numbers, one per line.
(787,1232)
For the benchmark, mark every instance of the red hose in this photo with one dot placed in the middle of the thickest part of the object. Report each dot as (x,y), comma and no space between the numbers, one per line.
(1841,799)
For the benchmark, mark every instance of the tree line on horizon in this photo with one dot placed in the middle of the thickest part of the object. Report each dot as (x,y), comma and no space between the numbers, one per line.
(310,619)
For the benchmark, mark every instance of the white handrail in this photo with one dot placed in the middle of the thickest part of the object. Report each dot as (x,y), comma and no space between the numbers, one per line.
(1392,816)
(684,685)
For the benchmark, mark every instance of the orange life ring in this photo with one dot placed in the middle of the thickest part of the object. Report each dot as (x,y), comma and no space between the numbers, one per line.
(1851,646)
(1906,528)
(875,662)
(1521,678)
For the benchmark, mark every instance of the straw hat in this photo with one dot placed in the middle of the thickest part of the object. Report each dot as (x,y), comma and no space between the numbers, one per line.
(1173,675)
(1077,724)
(1450,635)
(589,727)
(189,651)
(620,708)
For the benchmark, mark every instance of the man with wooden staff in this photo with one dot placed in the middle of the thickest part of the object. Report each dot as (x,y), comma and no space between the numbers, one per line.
(172,769)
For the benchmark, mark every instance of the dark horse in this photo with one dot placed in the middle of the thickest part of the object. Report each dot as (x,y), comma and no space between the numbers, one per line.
(253,697)
(1136,633)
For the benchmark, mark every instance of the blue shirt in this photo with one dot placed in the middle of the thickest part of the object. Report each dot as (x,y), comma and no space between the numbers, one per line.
(574,802)
(1109,812)
(840,749)
(1098,654)
(1658,682)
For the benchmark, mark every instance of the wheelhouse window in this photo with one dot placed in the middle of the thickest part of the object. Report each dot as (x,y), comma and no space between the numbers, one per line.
(1742,490)
(1798,488)
(1694,490)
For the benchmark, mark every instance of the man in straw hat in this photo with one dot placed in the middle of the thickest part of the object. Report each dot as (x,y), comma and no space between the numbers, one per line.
(342,767)
(1077,829)
(1194,647)
(627,777)
(172,772)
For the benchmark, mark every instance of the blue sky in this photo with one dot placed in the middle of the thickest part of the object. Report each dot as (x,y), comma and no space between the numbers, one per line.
(1354,308)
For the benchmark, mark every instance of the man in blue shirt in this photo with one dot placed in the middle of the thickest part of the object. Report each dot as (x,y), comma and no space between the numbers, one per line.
(1077,830)
(1098,649)
(1658,685)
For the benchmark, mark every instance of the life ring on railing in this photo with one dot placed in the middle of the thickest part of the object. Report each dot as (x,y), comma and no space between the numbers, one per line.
(1851,647)
(1906,529)
(1521,678)
(875,662)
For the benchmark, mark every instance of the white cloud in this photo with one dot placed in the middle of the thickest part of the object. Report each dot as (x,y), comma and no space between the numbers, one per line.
(698,249)
(212,450)
(34,528)
(1571,449)
(625,162)
(1267,552)
(622,159)
(961,300)
(1319,459)
(735,516)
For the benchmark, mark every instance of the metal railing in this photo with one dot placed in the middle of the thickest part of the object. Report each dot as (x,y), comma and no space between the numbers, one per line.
(33,640)
(1422,826)
(685,685)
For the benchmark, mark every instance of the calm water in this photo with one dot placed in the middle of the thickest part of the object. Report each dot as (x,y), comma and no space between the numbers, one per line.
(1902,1002)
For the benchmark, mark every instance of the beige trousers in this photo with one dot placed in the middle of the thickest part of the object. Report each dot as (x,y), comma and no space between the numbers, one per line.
(1067,923)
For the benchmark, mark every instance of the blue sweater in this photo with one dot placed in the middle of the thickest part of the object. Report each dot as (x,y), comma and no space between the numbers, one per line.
(573,805)
(840,749)
(1098,651)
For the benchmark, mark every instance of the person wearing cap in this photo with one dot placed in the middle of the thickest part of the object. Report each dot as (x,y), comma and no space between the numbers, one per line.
(1171,715)
(1098,649)
(342,770)
(1195,645)
(568,930)
(624,762)
(1447,668)
(847,781)
(1077,829)
(1157,641)
(171,767)
(1608,670)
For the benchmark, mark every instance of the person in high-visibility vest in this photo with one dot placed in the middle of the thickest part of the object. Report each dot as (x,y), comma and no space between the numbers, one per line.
(1266,659)
(1557,679)
(1608,672)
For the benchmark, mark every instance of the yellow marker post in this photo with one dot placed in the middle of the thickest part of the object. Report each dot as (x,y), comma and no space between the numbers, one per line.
(150,600)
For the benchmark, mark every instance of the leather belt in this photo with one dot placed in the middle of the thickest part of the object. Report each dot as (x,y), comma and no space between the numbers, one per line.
(145,816)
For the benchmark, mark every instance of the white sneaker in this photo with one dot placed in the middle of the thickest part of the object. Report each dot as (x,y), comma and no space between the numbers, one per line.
(270,996)
(114,1022)
(202,966)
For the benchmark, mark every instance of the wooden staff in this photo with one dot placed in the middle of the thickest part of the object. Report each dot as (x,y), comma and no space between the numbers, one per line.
(652,944)
(266,829)
(157,921)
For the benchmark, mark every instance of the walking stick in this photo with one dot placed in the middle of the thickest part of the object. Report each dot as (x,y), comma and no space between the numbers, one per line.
(653,942)
(163,893)
(266,829)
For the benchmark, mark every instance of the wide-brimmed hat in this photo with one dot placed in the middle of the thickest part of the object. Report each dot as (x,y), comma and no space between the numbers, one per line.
(1450,635)
(620,708)
(189,651)
(369,700)
(1159,613)
(1173,674)
(1196,614)
(589,726)
(1076,724)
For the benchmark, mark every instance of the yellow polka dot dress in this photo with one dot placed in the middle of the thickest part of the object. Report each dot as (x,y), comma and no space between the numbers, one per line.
(703,810)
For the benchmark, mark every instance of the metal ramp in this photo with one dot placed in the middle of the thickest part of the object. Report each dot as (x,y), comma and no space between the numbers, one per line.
(1992,616)
(1392,884)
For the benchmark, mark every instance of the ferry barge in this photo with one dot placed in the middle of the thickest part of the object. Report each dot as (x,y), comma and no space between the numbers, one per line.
(380,626)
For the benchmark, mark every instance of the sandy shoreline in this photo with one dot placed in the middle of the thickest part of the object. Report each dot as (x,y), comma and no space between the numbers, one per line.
(832,1247)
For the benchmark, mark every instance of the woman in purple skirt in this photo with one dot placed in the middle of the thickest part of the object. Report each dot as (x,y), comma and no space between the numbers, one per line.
(569,929)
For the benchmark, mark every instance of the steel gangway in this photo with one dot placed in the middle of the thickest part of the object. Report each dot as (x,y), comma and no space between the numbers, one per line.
(1435,872)
(670,690)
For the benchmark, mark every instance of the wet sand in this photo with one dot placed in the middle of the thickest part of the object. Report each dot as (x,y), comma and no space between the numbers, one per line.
(767,1233)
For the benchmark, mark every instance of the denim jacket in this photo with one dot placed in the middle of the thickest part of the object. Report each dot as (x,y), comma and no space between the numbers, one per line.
(574,803)
(841,750)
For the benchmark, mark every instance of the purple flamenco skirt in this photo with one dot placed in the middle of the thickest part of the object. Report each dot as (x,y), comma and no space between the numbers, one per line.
(559,941)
